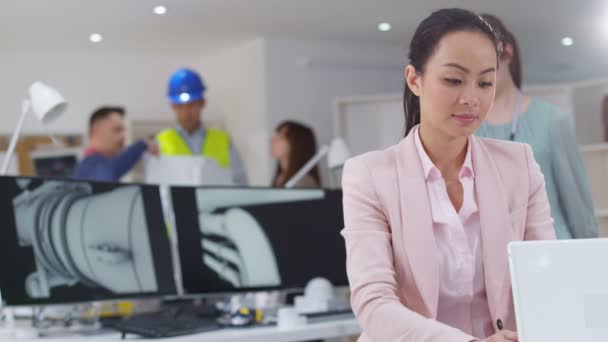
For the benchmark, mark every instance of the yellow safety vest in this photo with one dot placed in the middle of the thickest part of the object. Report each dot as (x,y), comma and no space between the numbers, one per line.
(216,145)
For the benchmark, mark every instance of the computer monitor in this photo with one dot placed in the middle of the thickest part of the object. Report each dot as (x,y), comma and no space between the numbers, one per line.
(244,239)
(55,163)
(72,241)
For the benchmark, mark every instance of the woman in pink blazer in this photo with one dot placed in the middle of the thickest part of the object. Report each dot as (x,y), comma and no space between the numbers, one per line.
(427,221)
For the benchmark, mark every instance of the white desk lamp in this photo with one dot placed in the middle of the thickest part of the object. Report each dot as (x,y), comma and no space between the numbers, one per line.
(337,154)
(46,103)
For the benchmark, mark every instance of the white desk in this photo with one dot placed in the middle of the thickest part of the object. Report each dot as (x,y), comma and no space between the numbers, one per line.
(322,330)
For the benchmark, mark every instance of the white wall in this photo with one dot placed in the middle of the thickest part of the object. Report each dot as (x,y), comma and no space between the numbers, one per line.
(370,123)
(88,79)
(587,104)
(305,77)
(236,96)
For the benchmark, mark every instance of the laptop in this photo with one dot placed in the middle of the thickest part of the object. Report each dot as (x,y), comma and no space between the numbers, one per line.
(560,289)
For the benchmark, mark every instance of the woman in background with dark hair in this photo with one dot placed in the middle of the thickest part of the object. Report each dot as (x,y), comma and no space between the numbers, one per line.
(293,144)
(550,133)
(427,221)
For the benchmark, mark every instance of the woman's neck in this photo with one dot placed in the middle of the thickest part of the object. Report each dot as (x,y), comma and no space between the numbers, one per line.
(505,103)
(281,177)
(447,153)
(283,165)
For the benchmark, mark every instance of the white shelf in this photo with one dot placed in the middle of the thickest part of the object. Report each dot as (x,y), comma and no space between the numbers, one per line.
(602,147)
(601,213)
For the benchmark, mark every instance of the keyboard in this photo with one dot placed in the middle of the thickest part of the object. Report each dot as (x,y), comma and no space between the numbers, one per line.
(165,324)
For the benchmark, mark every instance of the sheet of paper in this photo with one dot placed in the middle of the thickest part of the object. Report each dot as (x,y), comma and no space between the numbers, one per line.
(185,170)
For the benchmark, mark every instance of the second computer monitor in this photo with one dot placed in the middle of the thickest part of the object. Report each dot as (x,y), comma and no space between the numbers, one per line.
(234,239)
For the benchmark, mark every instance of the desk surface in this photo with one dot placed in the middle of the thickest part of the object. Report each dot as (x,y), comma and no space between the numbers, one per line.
(322,330)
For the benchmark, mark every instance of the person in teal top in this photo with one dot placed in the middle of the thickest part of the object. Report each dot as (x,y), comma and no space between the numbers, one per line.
(550,132)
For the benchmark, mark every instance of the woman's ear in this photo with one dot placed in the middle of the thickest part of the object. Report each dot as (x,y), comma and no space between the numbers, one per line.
(412,78)
(507,54)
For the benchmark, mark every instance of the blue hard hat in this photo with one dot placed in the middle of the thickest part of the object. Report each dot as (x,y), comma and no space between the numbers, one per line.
(185,86)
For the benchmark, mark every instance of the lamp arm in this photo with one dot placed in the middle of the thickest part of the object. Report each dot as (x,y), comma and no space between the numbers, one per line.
(307,167)
(11,147)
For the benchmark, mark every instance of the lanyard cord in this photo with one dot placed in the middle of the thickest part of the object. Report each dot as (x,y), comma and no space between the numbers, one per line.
(515,122)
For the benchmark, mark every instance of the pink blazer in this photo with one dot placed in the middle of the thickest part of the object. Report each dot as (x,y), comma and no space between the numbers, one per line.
(392,258)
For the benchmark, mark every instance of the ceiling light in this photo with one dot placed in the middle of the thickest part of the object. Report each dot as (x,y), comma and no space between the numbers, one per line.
(95,38)
(384,27)
(160,10)
(567,41)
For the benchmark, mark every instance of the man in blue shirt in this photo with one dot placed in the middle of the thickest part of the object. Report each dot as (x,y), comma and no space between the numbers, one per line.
(106,159)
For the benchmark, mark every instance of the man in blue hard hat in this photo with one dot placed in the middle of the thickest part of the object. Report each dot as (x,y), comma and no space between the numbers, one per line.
(186,93)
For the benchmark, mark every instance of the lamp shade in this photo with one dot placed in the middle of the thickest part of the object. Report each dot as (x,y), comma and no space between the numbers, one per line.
(338,154)
(46,102)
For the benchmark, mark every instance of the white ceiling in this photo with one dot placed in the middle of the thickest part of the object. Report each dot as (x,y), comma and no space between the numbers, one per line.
(539,26)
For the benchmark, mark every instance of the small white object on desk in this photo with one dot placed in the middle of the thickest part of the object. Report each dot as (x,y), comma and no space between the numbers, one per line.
(318,296)
(288,318)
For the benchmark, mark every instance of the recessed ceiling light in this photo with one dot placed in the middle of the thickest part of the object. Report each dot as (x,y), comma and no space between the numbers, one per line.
(95,38)
(567,41)
(160,10)
(384,27)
